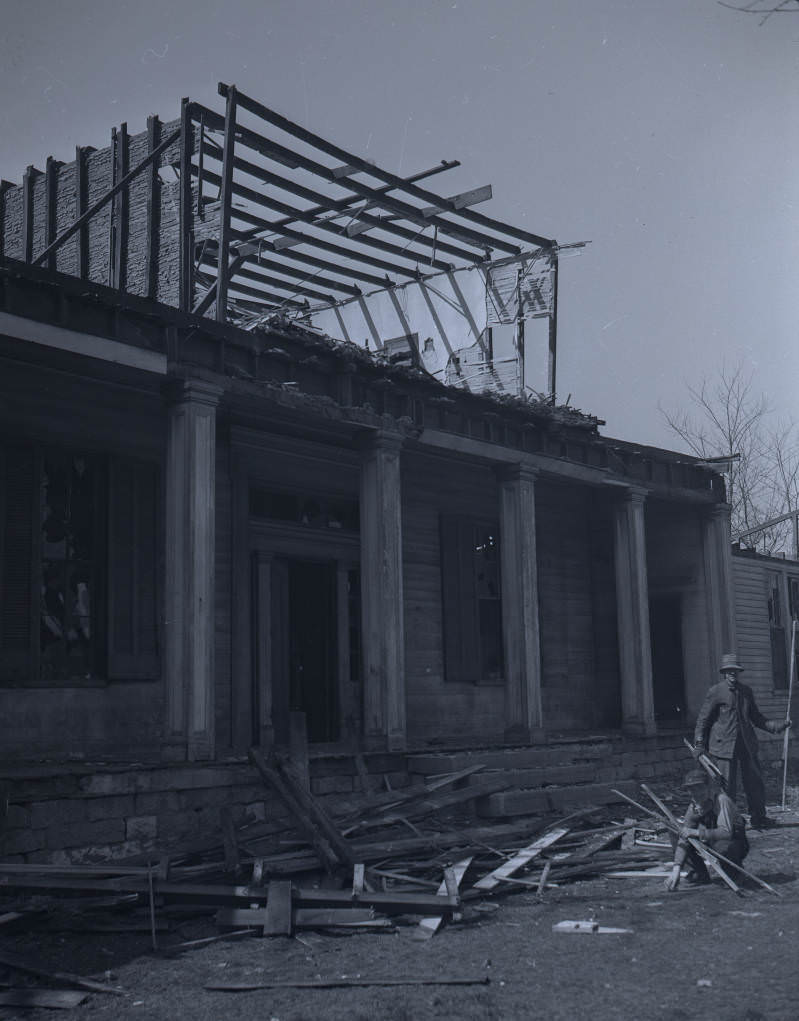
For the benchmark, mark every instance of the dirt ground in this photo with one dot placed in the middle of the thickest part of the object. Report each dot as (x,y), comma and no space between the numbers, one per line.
(700,952)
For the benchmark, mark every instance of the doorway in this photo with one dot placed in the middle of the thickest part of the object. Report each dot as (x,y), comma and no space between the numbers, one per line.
(668,675)
(311,647)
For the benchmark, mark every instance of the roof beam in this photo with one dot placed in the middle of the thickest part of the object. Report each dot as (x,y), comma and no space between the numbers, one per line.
(299,214)
(310,216)
(403,209)
(271,117)
(297,287)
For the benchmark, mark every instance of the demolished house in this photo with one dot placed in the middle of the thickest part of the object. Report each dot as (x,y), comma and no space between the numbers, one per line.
(242,506)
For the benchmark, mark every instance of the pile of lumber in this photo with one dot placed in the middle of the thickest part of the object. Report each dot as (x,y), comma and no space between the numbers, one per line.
(360,871)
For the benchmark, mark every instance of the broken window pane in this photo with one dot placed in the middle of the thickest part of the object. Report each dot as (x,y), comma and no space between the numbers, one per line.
(67,542)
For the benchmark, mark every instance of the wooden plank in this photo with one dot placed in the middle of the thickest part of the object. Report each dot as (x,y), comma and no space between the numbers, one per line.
(303,918)
(122,205)
(428,927)
(519,860)
(5,186)
(81,192)
(321,821)
(345,983)
(327,854)
(226,197)
(412,903)
(51,212)
(153,211)
(186,261)
(277,919)
(31,174)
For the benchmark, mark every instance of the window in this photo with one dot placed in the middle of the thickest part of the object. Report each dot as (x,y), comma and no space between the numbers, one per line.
(779,655)
(472,600)
(78,598)
(309,510)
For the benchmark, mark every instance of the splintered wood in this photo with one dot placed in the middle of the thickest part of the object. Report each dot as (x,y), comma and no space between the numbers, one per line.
(305,873)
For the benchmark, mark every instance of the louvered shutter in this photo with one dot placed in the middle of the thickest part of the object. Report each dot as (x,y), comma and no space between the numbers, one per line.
(17,594)
(132,570)
(459,597)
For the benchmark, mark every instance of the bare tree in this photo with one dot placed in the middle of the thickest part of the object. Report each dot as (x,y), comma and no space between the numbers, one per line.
(727,419)
(764,7)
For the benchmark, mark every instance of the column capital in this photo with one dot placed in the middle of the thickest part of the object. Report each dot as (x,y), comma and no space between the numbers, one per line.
(516,472)
(193,391)
(381,441)
(719,512)
(628,493)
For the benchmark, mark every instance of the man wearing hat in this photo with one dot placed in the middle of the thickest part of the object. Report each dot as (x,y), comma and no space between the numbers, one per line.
(713,818)
(725,729)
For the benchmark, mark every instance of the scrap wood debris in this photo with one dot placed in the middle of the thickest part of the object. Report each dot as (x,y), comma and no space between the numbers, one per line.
(315,877)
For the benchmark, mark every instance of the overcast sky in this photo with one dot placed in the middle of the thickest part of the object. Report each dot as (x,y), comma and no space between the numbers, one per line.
(665,132)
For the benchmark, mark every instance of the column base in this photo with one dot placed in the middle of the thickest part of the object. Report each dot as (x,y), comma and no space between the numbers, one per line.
(174,750)
(518,734)
(200,748)
(639,728)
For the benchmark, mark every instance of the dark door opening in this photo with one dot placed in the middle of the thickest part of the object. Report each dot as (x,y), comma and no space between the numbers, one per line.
(668,676)
(312,661)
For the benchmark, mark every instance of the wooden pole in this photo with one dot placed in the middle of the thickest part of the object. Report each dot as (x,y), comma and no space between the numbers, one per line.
(788,713)
(226,201)
(553,332)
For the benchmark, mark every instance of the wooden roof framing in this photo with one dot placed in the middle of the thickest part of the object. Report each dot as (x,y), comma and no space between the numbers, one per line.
(379,221)
(342,227)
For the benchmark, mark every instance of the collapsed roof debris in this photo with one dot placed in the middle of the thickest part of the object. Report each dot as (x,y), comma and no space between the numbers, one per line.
(354,250)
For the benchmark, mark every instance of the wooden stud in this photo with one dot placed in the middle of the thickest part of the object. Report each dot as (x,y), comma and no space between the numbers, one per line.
(120,210)
(186,255)
(553,332)
(4,187)
(81,196)
(51,198)
(226,202)
(153,211)
(112,226)
(27,212)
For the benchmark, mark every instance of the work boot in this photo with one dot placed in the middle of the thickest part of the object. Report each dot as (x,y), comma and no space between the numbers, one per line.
(695,877)
(763,823)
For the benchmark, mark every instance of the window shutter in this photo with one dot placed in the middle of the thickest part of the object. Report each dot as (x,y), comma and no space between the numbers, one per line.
(132,571)
(17,595)
(459,596)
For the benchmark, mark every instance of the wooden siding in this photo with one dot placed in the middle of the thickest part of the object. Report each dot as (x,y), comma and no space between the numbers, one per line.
(576,593)
(439,709)
(751,582)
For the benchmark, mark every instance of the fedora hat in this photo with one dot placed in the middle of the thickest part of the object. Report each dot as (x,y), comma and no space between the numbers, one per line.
(696,778)
(729,661)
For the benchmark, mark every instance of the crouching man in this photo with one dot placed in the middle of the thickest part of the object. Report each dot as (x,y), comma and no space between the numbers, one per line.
(712,818)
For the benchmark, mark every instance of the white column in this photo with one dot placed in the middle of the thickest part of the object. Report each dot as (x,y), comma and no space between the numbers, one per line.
(190,553)
(718,584)
(381,593)
(632,600)
(520,629)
